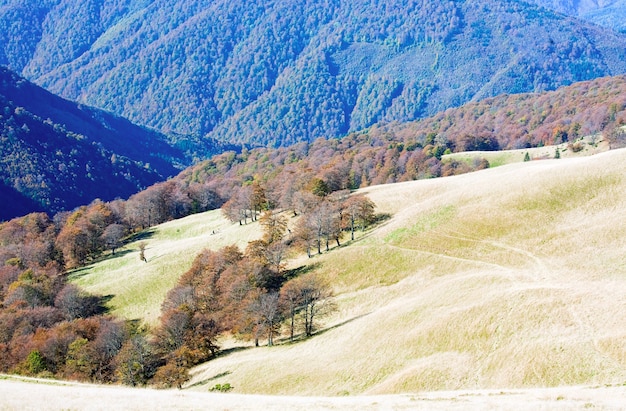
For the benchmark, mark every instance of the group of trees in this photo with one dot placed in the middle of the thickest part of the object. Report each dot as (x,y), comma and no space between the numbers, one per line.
(47,326)
(249,294)
(324,214)
(50,327)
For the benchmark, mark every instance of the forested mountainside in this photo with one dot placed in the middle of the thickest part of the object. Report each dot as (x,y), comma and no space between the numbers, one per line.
(51,328)
(275,73)
(56,155)
(408,151)
(607,13)
(613,16)
(576,7)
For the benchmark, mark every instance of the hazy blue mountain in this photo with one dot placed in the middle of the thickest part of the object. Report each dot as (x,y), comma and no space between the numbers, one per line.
(274,73)
(575,7)
(613,16)
(607,13)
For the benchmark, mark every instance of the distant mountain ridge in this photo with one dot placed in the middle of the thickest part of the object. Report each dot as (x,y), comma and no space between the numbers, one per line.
(260,73)
(575,7)
(56,154)
(607,13)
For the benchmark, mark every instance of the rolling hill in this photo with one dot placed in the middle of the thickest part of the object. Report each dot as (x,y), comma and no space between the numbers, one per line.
(443,297)
(511,277)
(260,73)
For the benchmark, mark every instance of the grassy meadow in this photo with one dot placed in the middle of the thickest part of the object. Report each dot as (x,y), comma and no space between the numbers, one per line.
(136,289)
(585,146)
(505,278)
(511,277)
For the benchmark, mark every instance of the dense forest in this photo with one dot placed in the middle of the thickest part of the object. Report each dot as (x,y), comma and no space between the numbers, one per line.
(277,73)
(613,15)
(56,155)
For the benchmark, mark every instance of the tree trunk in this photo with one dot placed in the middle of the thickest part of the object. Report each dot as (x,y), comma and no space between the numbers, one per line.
(352,228)
(306,320)
(310,333)
(270,335)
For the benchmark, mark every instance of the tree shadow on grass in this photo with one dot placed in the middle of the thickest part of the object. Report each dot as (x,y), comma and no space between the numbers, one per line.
(298,271)
(78,273)
(110,256)
(339,325)
(84,270)
(300,337)
(232,350)
(142,235)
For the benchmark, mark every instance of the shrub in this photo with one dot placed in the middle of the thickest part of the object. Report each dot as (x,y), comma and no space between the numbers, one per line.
(221,388)
(577,146)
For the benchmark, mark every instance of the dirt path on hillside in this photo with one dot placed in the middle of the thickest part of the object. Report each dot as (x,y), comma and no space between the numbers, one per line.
(541,268)
(540,271)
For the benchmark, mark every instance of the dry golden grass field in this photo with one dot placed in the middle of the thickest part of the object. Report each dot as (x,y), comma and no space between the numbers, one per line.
(504,288)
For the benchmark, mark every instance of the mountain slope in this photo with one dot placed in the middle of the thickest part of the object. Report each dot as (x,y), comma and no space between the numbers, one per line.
(442,298)
(409,151)
(56,154)
(607,13)
(575,7)
(613,15)
(276,73)
(439,297)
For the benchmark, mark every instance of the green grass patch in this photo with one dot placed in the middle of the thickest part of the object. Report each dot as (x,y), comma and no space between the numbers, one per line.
(360,267)
(567,194)
(134,289)
(424,224)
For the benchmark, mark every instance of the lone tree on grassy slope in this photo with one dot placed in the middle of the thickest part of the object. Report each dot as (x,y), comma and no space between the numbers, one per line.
(142,252)
(358,211)
(113,235)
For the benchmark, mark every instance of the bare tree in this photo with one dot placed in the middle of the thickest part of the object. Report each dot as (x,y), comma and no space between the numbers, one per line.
(113,235)
(305,235)
(269,315)
(142,251)
(275,255)
(308,296)
(239,206)
(291,300)
(358,211)
(315,301)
